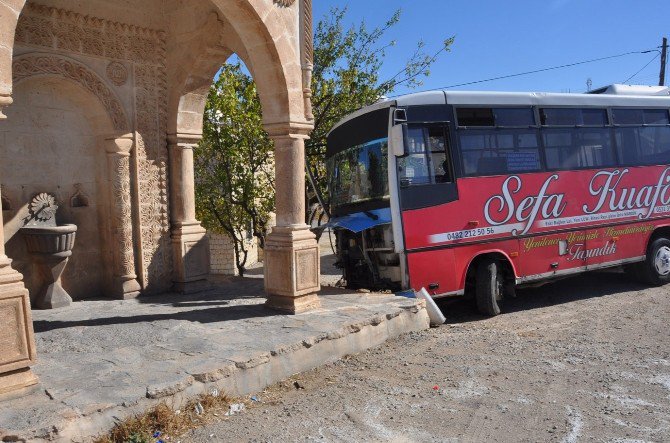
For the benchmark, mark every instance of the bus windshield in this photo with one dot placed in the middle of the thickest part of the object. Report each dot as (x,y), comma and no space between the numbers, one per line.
(359,173)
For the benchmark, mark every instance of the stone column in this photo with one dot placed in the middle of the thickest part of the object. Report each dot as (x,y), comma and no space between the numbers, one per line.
(292,264)
(17,340)
(307,54)
(124,284)
(189,239)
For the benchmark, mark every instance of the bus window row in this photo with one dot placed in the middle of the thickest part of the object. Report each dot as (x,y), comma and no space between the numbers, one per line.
(502,151)
(568,139)
(525,117)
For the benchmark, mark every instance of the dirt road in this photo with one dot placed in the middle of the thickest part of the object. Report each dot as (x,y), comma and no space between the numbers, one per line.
(584,359)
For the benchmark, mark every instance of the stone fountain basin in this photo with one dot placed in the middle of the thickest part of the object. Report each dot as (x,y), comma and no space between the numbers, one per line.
(49,240)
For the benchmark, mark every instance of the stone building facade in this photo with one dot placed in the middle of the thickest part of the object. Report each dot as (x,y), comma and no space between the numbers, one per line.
(101,105)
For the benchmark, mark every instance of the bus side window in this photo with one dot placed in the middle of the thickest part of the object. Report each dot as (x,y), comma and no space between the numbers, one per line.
(426,161)
(499,151)
(438,156)
(576,138)
(640,145)
(578,148)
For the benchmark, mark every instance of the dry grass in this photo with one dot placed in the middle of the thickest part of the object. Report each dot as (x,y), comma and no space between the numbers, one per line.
(166,420)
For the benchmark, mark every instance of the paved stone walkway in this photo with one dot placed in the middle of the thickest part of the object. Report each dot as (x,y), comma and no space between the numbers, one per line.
(98,360)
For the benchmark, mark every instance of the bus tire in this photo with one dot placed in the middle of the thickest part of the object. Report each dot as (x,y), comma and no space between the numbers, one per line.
(655,270)
(489,286)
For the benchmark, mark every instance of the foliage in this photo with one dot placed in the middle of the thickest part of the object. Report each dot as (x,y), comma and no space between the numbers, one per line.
(234,164)
(347,63)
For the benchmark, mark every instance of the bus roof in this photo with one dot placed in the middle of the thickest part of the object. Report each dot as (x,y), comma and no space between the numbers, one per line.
(613,95)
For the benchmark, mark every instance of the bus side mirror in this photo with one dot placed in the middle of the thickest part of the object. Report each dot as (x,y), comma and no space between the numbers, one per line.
(397,140)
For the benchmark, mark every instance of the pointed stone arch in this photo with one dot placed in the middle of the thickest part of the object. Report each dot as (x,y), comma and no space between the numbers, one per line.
(41,64)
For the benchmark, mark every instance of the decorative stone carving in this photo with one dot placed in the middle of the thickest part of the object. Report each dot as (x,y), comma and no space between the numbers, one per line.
(43,208)
(123,212)
(151,123)
(143,51)
(50,247)
(117,73)
(292,270)
(284,3)
(50,27)
(125,284)
(31,65)
(307,55)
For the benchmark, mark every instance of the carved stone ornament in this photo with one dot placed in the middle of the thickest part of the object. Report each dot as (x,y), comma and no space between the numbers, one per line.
(117,73)
(284,3)
(43,207)
(31,65)
(142,52)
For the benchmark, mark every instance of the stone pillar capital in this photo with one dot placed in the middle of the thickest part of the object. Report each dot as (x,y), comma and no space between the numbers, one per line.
(121,144)
(183,140)
(5,100)
(288,130)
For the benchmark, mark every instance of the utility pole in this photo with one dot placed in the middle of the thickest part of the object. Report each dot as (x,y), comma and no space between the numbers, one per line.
(664,57)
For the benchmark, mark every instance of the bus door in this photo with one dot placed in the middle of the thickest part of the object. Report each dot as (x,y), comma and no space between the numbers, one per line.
(426,172)
(426,182)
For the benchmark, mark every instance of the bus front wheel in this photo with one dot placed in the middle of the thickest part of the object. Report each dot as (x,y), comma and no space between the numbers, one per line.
(655,270)
(489,286)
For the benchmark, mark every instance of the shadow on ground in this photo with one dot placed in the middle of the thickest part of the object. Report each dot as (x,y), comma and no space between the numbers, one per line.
(581,287)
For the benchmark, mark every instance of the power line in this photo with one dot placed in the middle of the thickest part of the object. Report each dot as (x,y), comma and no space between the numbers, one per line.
(642,69)
(548,69)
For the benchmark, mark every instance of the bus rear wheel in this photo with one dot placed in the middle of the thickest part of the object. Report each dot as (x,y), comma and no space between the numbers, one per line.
(655,270)
(489,286)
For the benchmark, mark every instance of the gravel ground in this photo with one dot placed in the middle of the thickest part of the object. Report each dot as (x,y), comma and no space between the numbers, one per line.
(583,359)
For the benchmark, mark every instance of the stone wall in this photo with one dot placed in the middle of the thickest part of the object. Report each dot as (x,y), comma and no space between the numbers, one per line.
(222,254)
(127,61)
(64,165)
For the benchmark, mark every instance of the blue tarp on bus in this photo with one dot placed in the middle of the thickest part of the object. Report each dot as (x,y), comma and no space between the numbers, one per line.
(361,221)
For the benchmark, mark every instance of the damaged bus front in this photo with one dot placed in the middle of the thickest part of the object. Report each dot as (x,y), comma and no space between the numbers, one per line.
(381,160)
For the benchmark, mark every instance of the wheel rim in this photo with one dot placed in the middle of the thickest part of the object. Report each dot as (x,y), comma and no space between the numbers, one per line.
(662,261)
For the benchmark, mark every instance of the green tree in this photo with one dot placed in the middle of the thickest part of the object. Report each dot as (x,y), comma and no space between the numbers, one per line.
(234,164)
(347,62)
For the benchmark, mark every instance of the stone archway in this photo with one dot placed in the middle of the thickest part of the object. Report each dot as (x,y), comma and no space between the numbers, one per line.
(105,255)
(281,69)
(152,62)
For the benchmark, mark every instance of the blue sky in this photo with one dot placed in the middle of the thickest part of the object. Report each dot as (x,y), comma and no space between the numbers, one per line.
(495,38)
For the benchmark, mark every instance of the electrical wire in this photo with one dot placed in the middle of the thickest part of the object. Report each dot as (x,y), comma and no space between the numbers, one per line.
(548,69)
(642,69)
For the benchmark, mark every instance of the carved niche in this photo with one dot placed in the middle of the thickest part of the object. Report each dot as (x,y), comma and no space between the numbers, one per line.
(31,65)
(140,51)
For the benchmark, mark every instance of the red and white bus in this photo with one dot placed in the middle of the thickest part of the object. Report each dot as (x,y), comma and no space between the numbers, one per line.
(481,192)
